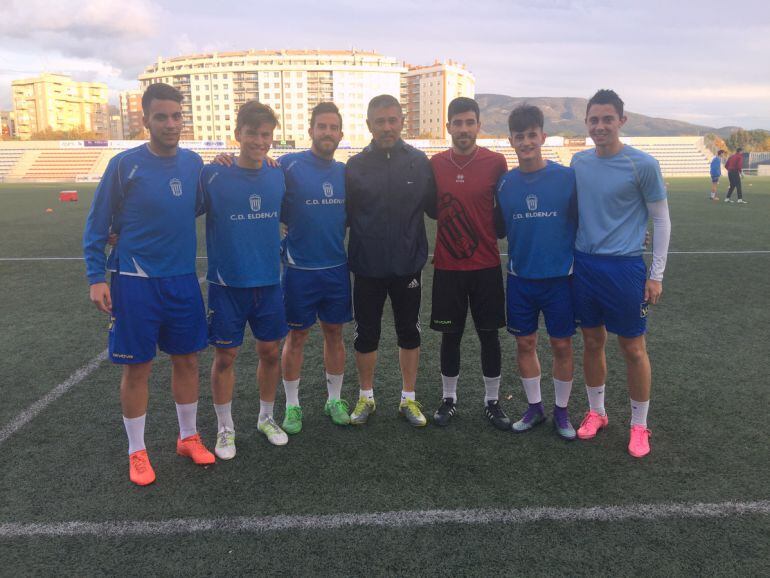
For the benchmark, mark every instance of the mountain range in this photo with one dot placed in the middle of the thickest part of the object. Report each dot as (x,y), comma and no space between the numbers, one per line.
(565,116)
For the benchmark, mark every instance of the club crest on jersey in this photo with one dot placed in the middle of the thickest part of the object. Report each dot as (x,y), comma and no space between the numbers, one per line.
(176,187)
(255,201)
(532,202)
(328,189)
(643,309)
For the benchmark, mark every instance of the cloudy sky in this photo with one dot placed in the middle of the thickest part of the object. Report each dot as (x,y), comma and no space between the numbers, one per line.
(705,62)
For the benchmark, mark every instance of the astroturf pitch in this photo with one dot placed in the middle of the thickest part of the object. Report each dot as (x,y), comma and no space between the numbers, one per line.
(66,463)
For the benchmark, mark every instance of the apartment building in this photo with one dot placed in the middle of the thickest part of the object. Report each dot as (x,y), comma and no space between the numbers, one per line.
(58,103)
(291,82)
(429,90)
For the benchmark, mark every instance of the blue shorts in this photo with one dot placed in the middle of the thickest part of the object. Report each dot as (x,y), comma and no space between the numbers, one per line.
(609,290)
(322,293)
(714,179)
(152,313)
(231,307)
(526,298)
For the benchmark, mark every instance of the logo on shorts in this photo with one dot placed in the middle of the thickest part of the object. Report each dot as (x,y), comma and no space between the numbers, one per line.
(643,308)
(176,187)
(414,284)
(328,189)
(255,201)
(532,202)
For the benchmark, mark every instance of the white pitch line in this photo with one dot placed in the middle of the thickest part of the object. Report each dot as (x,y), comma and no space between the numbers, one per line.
(33,410)
(395,519)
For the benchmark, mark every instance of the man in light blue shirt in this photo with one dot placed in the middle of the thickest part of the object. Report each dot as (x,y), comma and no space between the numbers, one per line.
(619,188)
(715,170)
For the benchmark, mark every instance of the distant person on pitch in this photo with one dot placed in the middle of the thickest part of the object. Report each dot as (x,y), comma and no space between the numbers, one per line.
(149,195)
(734,166)
(619,188)
(716,172)
(537,203)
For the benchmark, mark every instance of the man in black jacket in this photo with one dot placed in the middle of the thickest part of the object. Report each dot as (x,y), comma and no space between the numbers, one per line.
(389,185)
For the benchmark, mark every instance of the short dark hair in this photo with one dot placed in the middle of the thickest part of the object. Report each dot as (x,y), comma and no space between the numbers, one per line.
(159,91)
(382,101)
(720,152)
(255,114)
(462,104)
(739,150)
(324,108)
(606,96)
(524,116)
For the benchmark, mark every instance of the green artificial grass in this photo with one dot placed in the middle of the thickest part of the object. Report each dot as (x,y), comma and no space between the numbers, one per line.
(707,345)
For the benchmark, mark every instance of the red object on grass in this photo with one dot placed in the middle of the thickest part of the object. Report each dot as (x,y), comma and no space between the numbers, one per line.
(68,196)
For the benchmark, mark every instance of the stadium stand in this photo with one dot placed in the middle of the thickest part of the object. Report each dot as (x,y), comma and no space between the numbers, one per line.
(63,165)
(52,161)
(8,159)
(678,156)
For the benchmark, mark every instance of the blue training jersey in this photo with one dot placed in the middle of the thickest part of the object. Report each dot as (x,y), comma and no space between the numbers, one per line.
(243,230)
(151,202)
(540,215)
(314,211)
(716,167)
(613,193)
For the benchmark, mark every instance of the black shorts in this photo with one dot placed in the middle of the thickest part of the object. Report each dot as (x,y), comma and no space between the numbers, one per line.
(369,296)
(454,290)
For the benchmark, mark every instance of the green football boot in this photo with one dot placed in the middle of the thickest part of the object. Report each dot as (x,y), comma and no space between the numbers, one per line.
(337,409)
(292,421)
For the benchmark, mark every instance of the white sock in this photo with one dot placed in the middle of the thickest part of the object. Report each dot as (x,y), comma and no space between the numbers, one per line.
(265,410)
(224,416)
(366,393)
(334,385)
(135,432)
(186,414)
(639,412)
(561,390)
(407,395)
(449,385)
(292,391)
(532,389)
(491,388)
(596,398)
